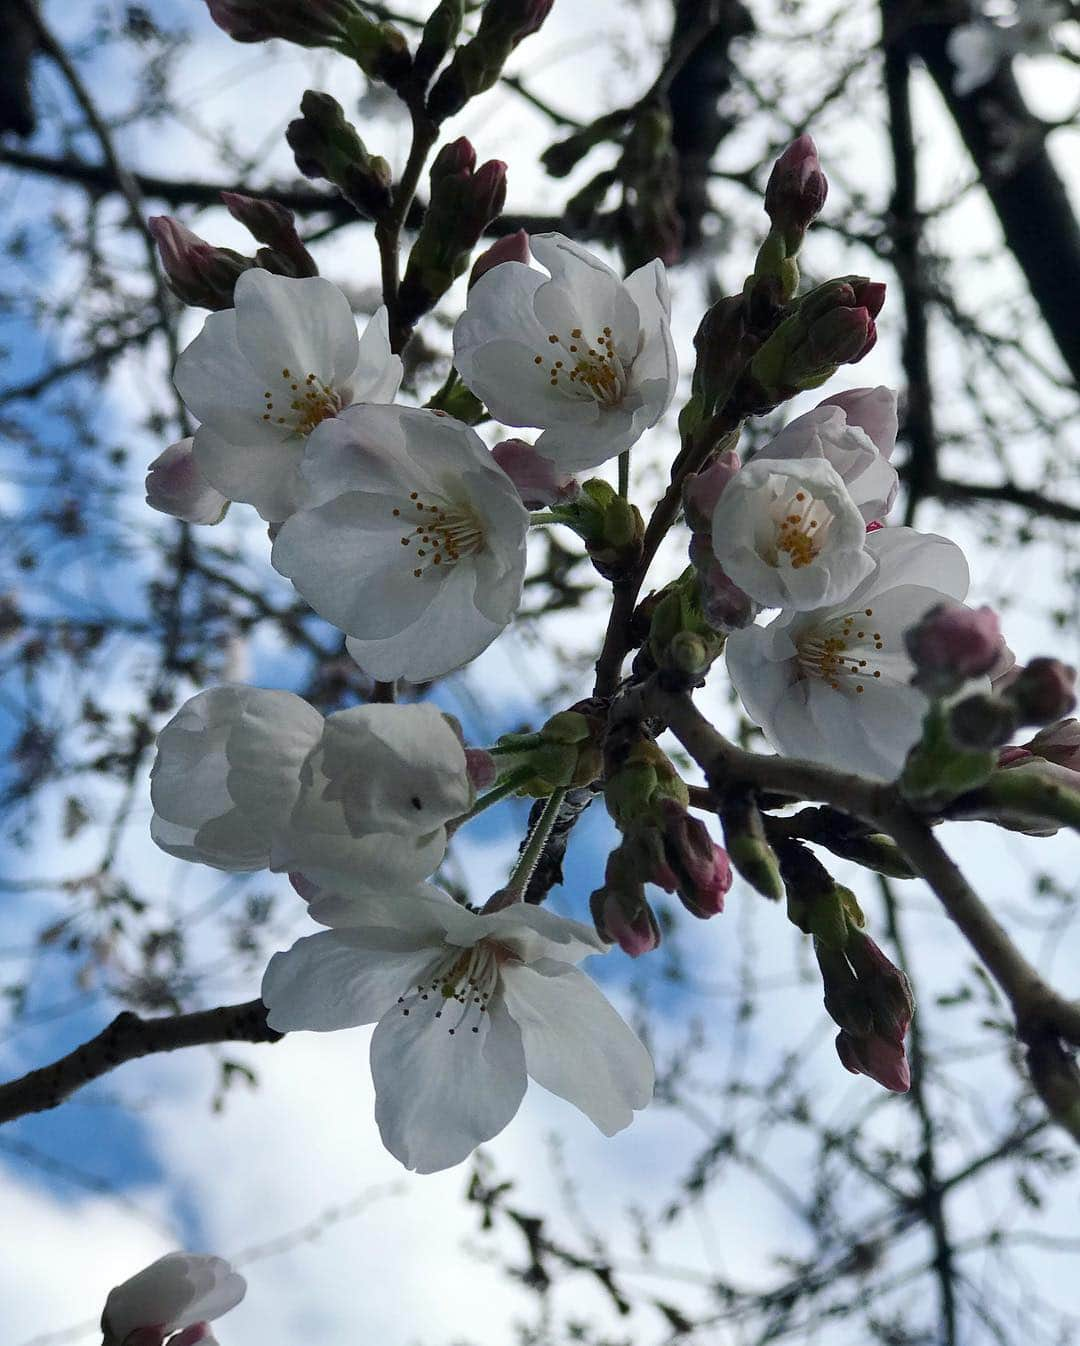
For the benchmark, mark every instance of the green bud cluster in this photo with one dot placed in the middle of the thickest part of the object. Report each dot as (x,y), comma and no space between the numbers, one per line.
(564,752)
(609,525)
(747,846)
(327,145)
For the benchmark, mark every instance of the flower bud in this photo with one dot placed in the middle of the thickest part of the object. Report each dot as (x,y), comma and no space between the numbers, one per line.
(439,35)
(464,200)
(175,486)
(510,248)
(981,722)
(1058,743)
(620,911)
(952,643)
(538,481)
(888,987)
(830,326)
(701,868)
(747,847)
(1043,691)
(326,145)
(198,273)
(702,490)
(723,604)
(796,190)
(276,227)
(877,1056)
(476,65)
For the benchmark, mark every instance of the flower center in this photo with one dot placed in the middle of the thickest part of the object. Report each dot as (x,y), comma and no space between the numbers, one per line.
(444,534)
(841,652)
(303,403)
(594,370)
(460,988)
(801,526)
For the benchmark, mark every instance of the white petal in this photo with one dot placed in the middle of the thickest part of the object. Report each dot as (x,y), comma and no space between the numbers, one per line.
(377,376)
(438,1095)
(176,486)
(905,556)
(264,472)
(305,326)
(218,385)
(576,1045)
(175,1291)
(531,932)
(343,978)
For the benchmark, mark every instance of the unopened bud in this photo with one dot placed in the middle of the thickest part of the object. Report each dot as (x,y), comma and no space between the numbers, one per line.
(1058,743)
(701,867)
(175,486)
(510,248)
(439,35)
(981,722)
(480,768)
(276,227)
(796,190)
(702,491)
(952,643)
(877,1056)
(477,64)
(619,908)
(747,848)
(326,145)
(1043,691)
(197,272)
(724,605)
(539,482)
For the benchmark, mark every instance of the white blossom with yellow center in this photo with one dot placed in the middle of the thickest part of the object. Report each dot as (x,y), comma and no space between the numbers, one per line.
(411,539)
(788,533)
(468,1007)
(833,684)
(263,375)
(582,355)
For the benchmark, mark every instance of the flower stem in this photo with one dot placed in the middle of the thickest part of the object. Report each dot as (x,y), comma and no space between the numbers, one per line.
(534,848)
(624,473)
(512,781)
(543,516)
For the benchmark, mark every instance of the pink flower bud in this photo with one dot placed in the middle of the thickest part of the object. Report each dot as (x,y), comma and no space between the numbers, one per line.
(487,192)
(1058,743)
(872,410)
(198,273)
(175,486)
(537,479)
(876,1056)
(457,156)
(723,604)
(701,868)
(842,336)
(870,295)
(276,227)
(191,1336)
(952,643)
(634,932)
(480,768)
(796,189)
(511,248)
(702,490)
(1043,691)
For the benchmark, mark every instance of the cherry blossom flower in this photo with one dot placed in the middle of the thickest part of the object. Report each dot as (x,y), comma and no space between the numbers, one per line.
(411,540)
(249,779)
(174,485)
(468,1006)
(180,1292)
(855,432)
(788,533)
(584,356)
(262,376)
(832,685)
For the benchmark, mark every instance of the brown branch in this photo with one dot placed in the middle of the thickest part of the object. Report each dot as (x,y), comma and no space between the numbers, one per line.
(126,1039)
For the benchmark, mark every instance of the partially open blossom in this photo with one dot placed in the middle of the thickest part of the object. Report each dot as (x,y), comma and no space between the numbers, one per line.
(179,1293)
(952,643)
(832,684)
(262,376)
(796,190)
(468,1006)
(1058,743)
(198,272)
(174,485)
(538,479)
(411,540)
(249,779)
(788,533)
(836,431)
(584,356)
